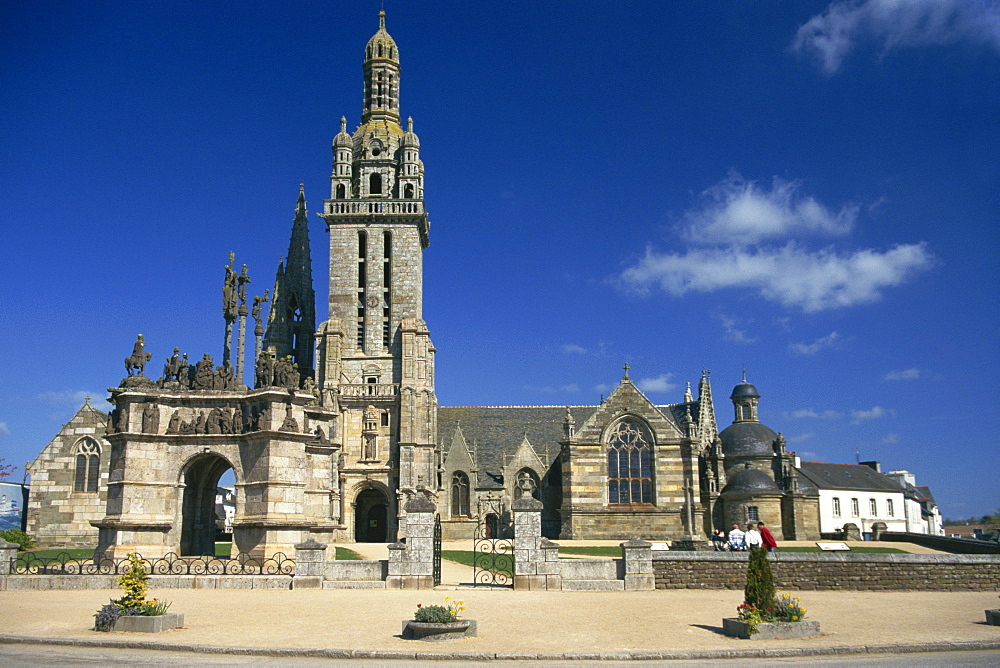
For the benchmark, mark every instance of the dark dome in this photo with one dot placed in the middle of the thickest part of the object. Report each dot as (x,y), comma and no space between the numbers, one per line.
(747,439)
(745,391)
(750,481)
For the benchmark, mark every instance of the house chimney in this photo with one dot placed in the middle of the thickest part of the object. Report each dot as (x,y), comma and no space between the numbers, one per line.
(875,466)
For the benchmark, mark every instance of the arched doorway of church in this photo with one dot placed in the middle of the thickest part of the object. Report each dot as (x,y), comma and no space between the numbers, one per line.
(371,514)
(205,505)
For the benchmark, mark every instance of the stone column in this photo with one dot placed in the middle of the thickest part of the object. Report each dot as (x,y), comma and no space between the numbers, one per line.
(638,556)
(411,564)
(310,558)
(8,553)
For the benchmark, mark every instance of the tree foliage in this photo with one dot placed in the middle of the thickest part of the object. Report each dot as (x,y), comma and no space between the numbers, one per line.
(5,468)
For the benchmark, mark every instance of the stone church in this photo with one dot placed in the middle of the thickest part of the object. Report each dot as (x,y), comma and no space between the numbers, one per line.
(340,424)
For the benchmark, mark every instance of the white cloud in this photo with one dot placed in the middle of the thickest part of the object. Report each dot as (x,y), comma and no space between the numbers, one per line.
(739,212)
(573,349)
(4,430)
(733,333)
(813,413)
(572,387)
(790,275)
(602,387)
(816,346)
(846,24)
(808,454)
(660,383)
(891,438)
(906,374)
(801,438)
(875,413)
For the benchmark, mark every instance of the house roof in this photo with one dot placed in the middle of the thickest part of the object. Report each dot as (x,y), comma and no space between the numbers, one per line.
(848,476)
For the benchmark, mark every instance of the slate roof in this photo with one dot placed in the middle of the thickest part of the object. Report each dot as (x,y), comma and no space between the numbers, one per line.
(494,432)
(924,493)
(848,476)
(749,481)
(748,439)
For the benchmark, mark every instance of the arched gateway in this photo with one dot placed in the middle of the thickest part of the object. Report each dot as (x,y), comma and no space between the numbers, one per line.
(198,516)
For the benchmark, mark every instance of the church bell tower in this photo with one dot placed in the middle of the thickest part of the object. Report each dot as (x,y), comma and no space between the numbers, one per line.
(375,358)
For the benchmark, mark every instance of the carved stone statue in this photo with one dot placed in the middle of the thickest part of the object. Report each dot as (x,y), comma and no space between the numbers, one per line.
(224,376)
(137,360)
(174,426)
(199,425)
(229,291)
(184,372)
(289,424)
(213,424)
(264,419)
(150,418)
(237,420)
(241,289)
(204,374)
(265,369)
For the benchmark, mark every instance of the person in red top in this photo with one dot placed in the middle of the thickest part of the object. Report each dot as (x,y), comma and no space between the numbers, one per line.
(767,540)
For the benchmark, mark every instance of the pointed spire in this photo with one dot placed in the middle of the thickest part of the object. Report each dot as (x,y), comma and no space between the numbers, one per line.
(381,19)
(687,393)
(300,207)
(409,123)
(744,373)
(343,124)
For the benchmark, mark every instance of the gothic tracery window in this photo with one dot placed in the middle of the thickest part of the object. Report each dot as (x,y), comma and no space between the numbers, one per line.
(459,495)
(630,475)
(88,466)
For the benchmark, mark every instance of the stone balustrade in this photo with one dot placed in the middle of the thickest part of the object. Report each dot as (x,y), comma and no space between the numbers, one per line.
(369,206)
(370,391)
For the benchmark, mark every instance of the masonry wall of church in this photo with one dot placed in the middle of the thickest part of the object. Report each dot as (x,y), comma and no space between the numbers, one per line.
(59,516)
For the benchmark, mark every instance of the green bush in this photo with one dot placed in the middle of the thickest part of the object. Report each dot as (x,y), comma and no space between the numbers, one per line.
(134,581)
(433,614)
(22,539)
(759,592)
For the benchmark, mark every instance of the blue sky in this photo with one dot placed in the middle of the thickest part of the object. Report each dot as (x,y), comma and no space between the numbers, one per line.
(809,190)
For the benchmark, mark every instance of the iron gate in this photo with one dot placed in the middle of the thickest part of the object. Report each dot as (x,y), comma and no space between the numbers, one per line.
(493,545)
(437,550)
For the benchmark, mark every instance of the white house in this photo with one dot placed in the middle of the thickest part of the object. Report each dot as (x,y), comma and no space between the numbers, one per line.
(856,494)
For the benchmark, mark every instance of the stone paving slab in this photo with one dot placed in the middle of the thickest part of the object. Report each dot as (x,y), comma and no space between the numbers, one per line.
(597,625)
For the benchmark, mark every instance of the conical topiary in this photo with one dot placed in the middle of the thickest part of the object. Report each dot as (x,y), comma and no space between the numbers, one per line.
(759,591)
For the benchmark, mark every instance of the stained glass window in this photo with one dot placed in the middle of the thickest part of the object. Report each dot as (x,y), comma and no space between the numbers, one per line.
(630,471)
(88,466)
(459,495)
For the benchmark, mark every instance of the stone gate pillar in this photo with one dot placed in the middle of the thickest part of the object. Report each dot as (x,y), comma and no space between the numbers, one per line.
(310,560)
(411,564)
(536,560)
(8,553)
(638,556)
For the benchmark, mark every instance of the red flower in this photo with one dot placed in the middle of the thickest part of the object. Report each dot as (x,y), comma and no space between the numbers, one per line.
(418,605)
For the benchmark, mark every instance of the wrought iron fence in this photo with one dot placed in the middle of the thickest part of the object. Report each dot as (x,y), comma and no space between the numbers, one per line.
(169,564)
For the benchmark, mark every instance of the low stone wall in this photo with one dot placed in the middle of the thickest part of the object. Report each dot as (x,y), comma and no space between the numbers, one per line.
(36,582)
(820,571)
(946,543)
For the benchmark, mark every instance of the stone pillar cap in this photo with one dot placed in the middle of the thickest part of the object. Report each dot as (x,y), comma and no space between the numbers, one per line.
(420,504)
(546,543)
(311,544)
(4,545)
(636,542)
(527,503)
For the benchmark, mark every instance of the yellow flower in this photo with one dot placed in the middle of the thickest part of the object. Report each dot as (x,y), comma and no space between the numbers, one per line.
(447,598)
(795,619)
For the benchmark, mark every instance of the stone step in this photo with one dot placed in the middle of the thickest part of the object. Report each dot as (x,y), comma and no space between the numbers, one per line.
(593,585)
(353,584)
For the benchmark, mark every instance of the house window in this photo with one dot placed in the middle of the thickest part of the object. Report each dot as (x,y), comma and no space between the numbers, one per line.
(630,476)
(855,511)
(836,507)
(88,466)
(888,508)
(873,507)
(459,495)
(752,514)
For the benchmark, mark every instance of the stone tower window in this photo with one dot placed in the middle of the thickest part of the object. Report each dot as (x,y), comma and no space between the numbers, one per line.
(375,184)
(408,191)
(630,475)
(88,466)
(459,495)
(341,191)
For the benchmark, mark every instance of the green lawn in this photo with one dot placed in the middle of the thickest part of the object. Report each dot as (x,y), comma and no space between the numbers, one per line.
(503,563)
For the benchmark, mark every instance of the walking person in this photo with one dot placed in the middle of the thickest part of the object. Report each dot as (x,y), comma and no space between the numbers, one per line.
(766,537)
(752,538)
(737,543)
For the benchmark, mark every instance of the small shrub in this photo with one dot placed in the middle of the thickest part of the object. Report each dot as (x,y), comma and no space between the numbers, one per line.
(439,614)
(759,591)
(106,617)
(135,582)
(22,539)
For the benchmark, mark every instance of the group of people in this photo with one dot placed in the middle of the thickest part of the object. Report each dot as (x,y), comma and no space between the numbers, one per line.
(754,538)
